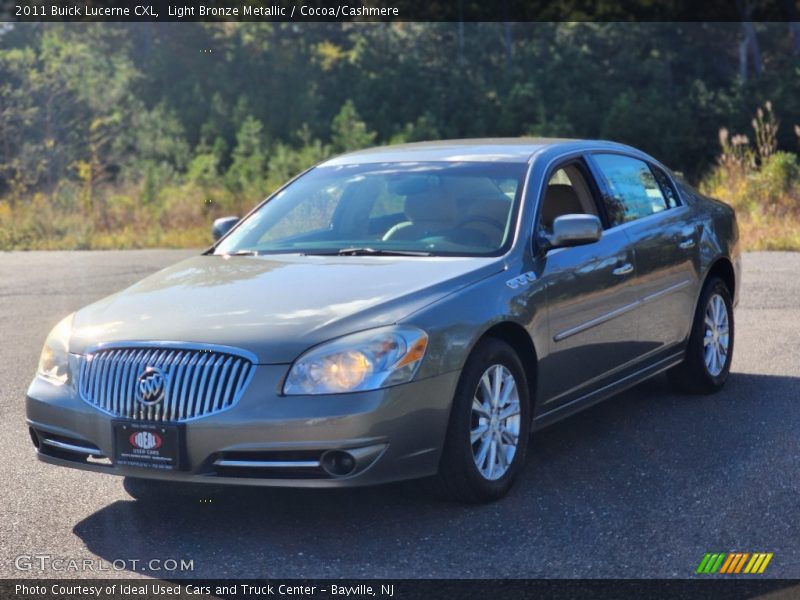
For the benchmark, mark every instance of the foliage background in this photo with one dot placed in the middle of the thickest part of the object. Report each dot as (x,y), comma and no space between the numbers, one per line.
(137,135)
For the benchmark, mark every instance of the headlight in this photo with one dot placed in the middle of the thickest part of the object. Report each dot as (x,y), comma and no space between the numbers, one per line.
(363,361)
(53,363)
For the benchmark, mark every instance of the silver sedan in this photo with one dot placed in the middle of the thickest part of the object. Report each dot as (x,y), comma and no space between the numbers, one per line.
(397,313)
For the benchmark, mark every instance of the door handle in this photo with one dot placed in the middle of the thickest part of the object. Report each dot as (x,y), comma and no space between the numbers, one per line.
(686,244)
(623,269)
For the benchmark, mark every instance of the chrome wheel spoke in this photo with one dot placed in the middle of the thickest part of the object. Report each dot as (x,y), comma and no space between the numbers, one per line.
(480,458)
(508,438)
(492,457)
(508,387)
(478,407)
(511,410)
(486,387)
(496,414)
(479,432)
(716,338)
(502,458)
(497,384)
(709,353)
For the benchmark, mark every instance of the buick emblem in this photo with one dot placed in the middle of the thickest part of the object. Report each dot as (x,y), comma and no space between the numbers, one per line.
(151,386)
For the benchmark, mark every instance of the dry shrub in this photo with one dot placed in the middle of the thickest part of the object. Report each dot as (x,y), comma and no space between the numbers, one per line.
(761,183)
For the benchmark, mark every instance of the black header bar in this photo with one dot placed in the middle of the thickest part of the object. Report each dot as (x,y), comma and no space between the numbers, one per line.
(398,10)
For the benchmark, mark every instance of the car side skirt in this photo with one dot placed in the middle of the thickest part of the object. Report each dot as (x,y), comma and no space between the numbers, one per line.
(608,389)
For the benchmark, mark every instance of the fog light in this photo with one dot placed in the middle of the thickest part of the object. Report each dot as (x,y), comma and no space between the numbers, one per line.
(338,463)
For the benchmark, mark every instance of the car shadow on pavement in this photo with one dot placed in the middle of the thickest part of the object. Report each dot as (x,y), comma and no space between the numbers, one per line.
(647,471)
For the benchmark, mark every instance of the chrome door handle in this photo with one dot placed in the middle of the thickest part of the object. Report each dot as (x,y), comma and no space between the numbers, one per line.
(686,244)
(623,269)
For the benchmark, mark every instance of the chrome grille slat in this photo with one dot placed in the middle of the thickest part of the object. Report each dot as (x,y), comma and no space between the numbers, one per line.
(158,409)
(153,412)
(175,385)
(138,409)
(185,369)
(186,388)
(221,383)
(115,380)
(231,379)
(123,373)
(170,402)
(104,377)
(98,366)
(211,379)
(199,381)
(192,392)
(130,380)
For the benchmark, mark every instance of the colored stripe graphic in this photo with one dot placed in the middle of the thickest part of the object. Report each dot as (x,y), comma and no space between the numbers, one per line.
(728,562)
(711,563)
(733,562)
(758,563)
(702,567)
(741,562)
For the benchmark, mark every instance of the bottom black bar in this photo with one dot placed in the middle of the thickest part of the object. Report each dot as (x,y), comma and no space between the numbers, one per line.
(397,589)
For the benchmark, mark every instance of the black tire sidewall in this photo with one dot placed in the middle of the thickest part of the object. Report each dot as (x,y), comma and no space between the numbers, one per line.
(458,451)
(695,352)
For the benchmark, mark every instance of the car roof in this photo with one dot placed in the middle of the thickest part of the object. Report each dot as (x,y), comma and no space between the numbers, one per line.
(507,150)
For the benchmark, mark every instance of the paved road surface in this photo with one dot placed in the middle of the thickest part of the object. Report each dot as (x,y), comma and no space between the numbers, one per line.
(640,486)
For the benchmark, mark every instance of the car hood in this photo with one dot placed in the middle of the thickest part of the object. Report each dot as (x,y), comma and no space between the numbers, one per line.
(274,306)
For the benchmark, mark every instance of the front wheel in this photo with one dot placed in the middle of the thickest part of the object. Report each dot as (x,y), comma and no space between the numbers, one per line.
(709,352)
(487,436)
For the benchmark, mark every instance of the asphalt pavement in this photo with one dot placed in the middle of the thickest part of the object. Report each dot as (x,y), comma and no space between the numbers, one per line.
(640,486)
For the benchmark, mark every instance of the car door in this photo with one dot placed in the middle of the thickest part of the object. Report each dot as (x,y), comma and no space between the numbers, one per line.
(590,301)
(641,199)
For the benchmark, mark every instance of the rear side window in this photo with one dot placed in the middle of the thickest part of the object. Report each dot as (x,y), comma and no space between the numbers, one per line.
(632,189)
(670,195)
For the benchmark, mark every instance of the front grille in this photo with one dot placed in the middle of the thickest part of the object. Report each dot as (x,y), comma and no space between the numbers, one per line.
(198,382)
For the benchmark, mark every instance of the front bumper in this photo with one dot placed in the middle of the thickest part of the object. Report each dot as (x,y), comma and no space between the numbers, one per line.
(394,434)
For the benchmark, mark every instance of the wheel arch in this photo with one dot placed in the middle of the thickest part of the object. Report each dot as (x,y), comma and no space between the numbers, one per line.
(516,336)
(723,268)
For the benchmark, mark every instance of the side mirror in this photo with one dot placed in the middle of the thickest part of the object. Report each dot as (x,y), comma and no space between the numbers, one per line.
(222,226)
(575,230)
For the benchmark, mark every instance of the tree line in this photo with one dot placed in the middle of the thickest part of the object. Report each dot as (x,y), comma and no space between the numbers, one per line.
(105,119)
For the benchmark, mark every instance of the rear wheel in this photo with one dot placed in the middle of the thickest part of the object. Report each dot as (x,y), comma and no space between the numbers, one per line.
(489,425)
(709,352)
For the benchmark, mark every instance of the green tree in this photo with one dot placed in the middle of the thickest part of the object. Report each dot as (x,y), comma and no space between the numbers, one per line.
(348,131)
(248,168)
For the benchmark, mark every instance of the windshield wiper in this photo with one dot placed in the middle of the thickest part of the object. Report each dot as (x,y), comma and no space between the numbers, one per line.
(379,252)
(242,253)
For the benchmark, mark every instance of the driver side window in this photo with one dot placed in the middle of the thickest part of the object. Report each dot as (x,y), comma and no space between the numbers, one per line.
(567,193)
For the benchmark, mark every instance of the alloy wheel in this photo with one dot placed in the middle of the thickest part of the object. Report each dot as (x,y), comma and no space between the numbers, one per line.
(495,422)
(716,337)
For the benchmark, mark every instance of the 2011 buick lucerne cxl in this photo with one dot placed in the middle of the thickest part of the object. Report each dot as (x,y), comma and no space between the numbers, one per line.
(398,313)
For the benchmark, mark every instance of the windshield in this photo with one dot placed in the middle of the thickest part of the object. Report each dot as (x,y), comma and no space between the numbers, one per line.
(412,209)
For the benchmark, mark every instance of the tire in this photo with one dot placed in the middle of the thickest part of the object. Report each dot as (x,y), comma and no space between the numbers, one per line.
(157,490)
(696,374)
(459,476)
